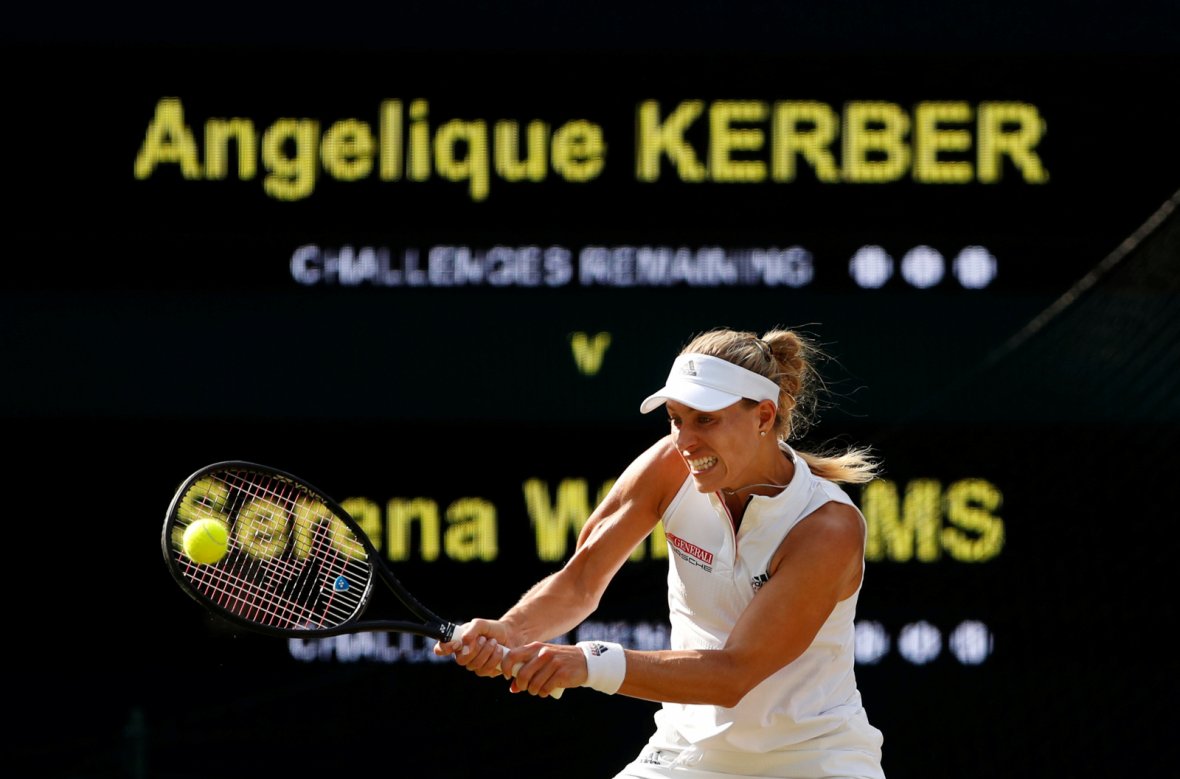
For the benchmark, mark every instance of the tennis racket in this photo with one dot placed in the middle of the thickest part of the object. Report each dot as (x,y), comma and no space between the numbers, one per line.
(295,564)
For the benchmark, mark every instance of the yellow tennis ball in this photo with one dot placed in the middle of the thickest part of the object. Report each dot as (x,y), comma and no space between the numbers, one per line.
(205,541)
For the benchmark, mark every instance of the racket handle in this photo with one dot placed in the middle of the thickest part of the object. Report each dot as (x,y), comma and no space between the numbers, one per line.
(504,651)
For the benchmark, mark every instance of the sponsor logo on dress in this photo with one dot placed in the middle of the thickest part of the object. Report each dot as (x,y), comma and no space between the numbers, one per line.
(691,553)
(757,581)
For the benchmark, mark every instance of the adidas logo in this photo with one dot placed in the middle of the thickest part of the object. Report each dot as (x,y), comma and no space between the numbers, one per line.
(598,649)
(689,368)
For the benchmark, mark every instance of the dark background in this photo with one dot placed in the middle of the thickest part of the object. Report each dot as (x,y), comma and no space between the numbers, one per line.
(151,327)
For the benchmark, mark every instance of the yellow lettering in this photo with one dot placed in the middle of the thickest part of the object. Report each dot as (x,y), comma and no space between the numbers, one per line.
(805,129)
(1011,130)
(655,139)
(313,524)
(911,529)
(218,134)
(168,140)
(261,528)
(559,521)
(556,522)
(305,516)
(588,352)
(874,136)
(400,515)
(579,151)
(874,142)
(347,150)
(206,499)
(896,529)
(367,514)
(471,530)
(976,533)
(291,177)
(419,154)
(507,144)
(659,543)
(724,140)
(391,140)
(473,164)
(931,138)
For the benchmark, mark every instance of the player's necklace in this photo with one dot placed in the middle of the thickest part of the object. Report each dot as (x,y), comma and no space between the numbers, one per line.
(736,490)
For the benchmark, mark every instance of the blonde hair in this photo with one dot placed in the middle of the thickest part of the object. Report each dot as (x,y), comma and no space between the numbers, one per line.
(788,359)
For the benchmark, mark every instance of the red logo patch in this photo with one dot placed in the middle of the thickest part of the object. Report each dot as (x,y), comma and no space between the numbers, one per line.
(703,555)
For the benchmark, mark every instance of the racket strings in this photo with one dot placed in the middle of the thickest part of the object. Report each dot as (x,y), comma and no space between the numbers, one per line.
(282,581)
(292,571)
(290,563)
(229,594)
(289,599)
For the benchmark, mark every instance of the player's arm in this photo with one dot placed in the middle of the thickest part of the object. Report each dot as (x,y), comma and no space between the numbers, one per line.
(818,565)
(564,599)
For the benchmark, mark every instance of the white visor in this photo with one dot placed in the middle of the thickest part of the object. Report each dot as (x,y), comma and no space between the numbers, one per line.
(710,384)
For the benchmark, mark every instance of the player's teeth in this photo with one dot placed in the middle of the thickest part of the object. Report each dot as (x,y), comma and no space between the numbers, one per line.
(702,463)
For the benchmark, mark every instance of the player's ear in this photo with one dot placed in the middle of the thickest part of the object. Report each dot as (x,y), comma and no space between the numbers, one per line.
(767,412)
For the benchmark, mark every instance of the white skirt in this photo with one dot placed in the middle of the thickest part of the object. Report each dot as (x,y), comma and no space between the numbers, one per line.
(847,754)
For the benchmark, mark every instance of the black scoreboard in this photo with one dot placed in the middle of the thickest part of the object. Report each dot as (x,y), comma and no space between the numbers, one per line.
(439,283)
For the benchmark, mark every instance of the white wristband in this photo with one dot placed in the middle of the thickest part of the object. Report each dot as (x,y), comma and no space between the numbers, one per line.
(606,665)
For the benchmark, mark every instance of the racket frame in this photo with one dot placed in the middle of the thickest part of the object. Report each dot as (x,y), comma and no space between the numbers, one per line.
(431,625)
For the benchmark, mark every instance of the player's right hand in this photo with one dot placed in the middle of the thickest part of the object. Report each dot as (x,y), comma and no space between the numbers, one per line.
(478,646)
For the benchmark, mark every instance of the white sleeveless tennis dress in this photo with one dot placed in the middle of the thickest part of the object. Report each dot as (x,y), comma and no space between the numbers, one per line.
(806,720)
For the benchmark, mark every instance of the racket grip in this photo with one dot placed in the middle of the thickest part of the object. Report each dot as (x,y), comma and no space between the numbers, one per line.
(554,694)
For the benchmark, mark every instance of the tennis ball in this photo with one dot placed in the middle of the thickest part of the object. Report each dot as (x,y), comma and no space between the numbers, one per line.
(205,541)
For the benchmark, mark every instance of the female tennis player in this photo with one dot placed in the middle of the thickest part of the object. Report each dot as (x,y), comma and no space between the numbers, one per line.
(766,556)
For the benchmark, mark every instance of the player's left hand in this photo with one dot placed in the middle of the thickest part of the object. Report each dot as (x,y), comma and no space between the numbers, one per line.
(541,669)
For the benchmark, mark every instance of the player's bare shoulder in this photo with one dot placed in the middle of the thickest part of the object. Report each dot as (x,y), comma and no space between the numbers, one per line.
(831,539)
(654,477)
(840,524)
